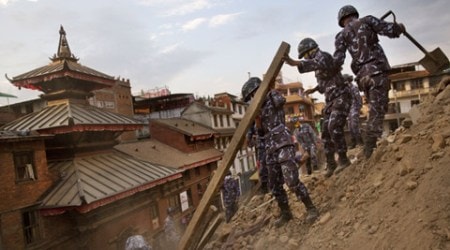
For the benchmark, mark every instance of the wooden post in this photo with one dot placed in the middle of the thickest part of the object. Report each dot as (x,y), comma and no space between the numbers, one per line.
(186,241)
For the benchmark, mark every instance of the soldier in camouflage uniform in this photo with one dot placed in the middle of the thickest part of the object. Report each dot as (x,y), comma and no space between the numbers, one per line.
(353,116)
(257,140)
(280,152)
(230,194)
(337,99)
(359,37)
(306,137)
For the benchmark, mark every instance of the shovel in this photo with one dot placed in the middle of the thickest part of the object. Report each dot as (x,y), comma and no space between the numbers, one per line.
(434,61)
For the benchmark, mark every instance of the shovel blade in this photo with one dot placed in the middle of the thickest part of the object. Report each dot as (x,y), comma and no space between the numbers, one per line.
(435,61)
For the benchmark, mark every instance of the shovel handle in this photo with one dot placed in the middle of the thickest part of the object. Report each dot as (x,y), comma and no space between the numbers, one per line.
(387,14)
(407,34)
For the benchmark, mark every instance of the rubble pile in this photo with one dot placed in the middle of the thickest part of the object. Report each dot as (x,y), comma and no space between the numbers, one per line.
(398,199)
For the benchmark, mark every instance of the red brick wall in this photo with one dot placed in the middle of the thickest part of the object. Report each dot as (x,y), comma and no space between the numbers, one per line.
(178,140)
(11,229)
(22,194)
(170,137)
(17,196)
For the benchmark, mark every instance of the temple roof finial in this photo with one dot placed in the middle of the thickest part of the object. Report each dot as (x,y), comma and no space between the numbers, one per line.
(63,48)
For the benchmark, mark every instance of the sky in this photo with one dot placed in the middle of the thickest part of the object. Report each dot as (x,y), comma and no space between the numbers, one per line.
(201,47)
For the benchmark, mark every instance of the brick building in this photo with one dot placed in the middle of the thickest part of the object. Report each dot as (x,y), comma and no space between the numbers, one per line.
(65,186)
(24,177)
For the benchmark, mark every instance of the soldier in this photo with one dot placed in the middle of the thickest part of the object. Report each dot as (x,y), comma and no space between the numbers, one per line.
(337,99)
(306,137)
(359,37)
(254,137)
(353,116)
(230,194)
(280,152)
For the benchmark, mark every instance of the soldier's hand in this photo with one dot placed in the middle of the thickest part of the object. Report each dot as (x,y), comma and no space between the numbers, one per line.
(250,142)
(289,60)
(402,26)
(258,122)
(309,91)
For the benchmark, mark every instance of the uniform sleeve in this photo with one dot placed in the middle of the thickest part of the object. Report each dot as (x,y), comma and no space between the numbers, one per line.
(277,99)
(340,49)
(383,28)
(308,65)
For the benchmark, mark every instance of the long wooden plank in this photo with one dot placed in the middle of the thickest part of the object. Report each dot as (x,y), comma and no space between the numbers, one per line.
(186,241)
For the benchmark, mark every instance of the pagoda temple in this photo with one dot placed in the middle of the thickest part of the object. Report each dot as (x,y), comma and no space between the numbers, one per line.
(76,191)
(66,85)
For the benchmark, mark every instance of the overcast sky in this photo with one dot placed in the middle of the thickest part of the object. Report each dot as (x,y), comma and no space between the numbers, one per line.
(195,46)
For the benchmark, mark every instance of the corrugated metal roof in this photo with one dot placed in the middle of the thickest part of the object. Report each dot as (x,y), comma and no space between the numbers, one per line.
(60,66)
(68,114)
(186,126)
(154,151)
(92,178)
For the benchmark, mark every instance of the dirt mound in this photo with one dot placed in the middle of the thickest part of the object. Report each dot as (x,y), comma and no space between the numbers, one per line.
(398,199)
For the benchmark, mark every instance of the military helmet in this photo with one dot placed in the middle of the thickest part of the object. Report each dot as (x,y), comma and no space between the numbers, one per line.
(348,78)
(346,11)
(249,87)
(306,45)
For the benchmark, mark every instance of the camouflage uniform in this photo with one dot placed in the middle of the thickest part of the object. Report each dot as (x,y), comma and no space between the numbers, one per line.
(306,136)
(337,104)
(280,150)
(353,116)
(263,173)
(230,193)
(369,64)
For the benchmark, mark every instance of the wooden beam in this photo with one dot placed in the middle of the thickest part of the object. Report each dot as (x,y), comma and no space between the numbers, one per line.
(186,241)
(209,231)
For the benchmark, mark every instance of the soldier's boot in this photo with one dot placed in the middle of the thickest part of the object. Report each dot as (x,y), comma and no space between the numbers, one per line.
(308,167)
(264,189)
(352,143)
(369,144)
(331,165)
(359,141)
(311,210)
(285,215)
(343,162)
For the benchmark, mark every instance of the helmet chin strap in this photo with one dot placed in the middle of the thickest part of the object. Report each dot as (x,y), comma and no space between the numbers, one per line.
(310,53)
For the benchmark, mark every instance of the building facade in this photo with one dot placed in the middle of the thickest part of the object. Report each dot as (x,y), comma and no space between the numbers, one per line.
(65,186)
(409,85)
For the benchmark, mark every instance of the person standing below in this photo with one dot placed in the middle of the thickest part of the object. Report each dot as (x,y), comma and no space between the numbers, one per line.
(337,99)
(306,137)
(353,116)
(359,36)
(171,229)
(280,152)
(254,138)
(230,194)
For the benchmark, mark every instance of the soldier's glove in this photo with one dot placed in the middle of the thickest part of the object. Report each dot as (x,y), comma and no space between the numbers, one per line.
(402,27)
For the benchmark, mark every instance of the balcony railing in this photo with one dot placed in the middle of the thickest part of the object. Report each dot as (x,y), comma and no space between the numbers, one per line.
(408,93)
